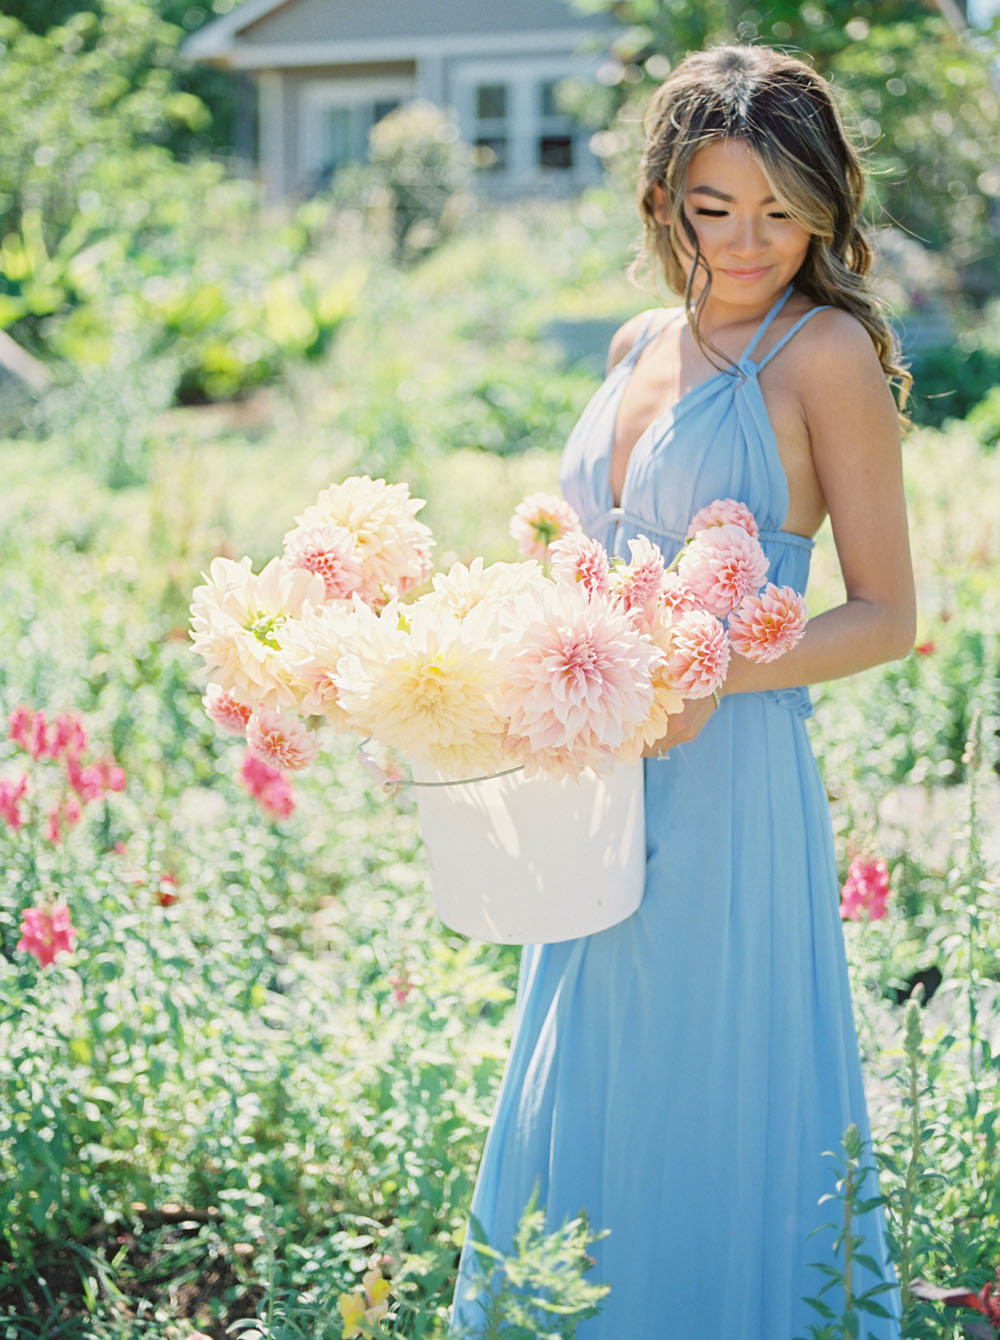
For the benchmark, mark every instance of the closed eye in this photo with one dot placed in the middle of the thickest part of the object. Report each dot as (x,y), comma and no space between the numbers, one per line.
(712,213)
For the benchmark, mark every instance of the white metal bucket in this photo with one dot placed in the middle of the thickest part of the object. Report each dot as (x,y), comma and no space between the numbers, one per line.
(518,861)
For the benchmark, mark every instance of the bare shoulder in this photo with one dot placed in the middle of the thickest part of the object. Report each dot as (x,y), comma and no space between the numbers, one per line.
(627,334)
(833,350)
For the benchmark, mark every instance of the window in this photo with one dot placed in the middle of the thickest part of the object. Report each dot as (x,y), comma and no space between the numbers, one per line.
(491,134)
(337,137)
(555,151)
(554,147)
(382,107)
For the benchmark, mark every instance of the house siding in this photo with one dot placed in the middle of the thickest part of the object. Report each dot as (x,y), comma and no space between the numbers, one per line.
(347,21)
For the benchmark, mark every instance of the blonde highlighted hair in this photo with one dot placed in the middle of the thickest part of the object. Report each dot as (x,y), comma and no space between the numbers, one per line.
(787,114)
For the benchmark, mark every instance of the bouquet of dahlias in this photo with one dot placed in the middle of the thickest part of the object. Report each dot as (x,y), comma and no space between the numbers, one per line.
(564,666)
(562,663)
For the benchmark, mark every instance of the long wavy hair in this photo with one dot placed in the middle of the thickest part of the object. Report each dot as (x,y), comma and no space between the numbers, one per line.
(787,114)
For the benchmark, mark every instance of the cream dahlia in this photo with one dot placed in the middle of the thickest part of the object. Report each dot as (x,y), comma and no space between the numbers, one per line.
(465,587)
(425,682)
(311,647)
(237,623)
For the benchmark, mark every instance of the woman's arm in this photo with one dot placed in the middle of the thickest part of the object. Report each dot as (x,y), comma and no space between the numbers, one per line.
(854,435)
(853,430)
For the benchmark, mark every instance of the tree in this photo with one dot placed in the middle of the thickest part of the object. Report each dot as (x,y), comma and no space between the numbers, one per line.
(920,94)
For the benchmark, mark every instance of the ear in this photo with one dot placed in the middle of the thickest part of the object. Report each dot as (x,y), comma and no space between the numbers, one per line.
(661,207)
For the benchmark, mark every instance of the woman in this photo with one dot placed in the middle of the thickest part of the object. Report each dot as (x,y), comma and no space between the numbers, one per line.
(680,1075)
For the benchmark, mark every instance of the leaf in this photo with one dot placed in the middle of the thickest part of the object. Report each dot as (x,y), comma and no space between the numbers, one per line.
(865,1304)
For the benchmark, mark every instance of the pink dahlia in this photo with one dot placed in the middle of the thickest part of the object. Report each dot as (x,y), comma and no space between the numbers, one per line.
(11,794)
(578,684)
(577,558)
(538,521)
(676,596)
(721,566)
(866,889)
(637,586)
(280,739)
(46,933)
(332,552)
(765,626)
(699,654)
(226,710)
(724,512)
(269,786)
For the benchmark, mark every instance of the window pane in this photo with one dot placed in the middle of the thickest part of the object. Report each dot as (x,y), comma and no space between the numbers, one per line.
(383,107)
(491,102)
(547,105)
(491,153)
(337,136)
(555,151)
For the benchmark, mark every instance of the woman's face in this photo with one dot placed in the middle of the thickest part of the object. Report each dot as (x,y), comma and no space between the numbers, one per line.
(754,250)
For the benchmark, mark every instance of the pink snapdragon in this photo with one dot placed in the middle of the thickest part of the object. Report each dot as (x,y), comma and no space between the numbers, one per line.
(268,785)
(11,794)
(866,889)
(699,654)
(577,558)
(281,740)
(768,625)
(721,566)
(332,552)
(63,738)
(46,932)
(226,710)
(538,521)
(724,512)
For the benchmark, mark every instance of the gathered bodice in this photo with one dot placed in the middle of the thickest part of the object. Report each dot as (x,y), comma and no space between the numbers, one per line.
(715,442)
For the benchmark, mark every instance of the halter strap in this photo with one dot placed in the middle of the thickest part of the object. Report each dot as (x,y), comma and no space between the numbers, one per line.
(755,339)
(788,335)
(649,332)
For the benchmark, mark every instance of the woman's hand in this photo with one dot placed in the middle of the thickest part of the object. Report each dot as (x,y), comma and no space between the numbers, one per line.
(683,727)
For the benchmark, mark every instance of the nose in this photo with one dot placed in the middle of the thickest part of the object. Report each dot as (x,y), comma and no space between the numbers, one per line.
(747,239)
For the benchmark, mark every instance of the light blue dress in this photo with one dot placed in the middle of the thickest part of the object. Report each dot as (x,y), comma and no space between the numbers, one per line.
(680,1075)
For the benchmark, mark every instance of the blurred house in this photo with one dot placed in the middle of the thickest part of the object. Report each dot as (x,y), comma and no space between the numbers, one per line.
(327,70)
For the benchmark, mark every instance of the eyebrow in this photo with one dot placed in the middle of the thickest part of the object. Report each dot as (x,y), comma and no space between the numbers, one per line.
(721,195)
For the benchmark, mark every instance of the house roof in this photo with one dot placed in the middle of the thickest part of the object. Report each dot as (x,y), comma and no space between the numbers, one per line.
(279,33)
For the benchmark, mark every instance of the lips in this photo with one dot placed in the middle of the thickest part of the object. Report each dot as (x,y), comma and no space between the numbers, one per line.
(754,273)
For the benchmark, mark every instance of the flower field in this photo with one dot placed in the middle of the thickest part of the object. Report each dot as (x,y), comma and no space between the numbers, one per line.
(245,1075)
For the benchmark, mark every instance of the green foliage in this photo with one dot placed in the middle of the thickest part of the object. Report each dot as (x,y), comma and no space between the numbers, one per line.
(538,1291)
(838,1301)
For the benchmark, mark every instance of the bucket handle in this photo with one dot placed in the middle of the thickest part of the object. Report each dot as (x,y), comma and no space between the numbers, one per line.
(392,781)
